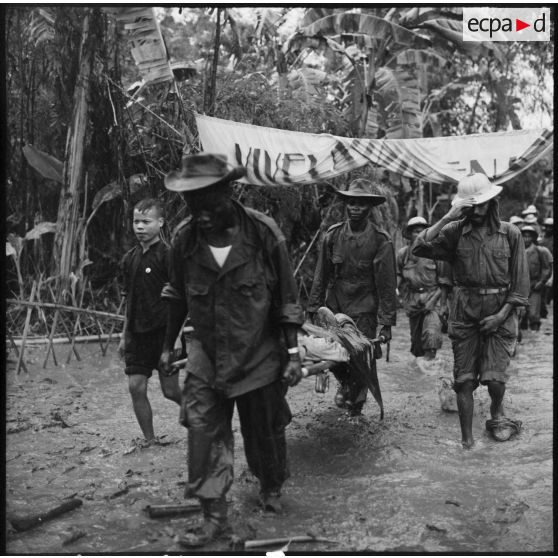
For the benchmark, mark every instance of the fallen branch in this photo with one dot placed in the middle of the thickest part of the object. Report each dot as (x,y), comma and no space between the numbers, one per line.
(238,544)
(28,522)
(165,510)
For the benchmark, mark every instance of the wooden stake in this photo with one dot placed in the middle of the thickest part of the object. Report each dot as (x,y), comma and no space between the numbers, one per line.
(17,352)
(40,309)
(76,325)
(50,338)
(26,328)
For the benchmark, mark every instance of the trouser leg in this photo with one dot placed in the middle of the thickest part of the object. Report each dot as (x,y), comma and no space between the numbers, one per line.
(264,414)
(210,441)
(534,311)
(415,324)
(431,331)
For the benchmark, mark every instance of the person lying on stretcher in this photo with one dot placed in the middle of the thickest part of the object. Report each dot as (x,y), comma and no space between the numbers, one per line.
(335,337)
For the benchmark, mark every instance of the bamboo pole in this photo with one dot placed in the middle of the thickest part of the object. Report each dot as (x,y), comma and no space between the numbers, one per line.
(99,327)
(307,250)
(62,340)
(17,352)
(50,337)
(113,324)
(40,309)
(26,327)
(98,313)
(76,326)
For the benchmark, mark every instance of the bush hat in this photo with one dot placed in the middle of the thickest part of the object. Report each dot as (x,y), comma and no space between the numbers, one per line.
(515,220)
(529,229)
(531,209)
(414,222)
(362,188)
(475,188)
(530,219)
(200,171)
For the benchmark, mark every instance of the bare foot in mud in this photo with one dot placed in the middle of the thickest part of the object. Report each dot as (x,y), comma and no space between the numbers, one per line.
(468,444)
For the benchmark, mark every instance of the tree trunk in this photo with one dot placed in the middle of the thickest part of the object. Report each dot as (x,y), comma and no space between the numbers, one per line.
(66,244)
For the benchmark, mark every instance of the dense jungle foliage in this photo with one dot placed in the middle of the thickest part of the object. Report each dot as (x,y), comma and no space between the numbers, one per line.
(90,131)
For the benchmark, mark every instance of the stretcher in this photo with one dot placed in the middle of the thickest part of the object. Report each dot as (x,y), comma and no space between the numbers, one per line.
(321,369)
(345,344)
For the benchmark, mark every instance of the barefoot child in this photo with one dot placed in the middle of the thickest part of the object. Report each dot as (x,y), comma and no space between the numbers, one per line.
(145,271)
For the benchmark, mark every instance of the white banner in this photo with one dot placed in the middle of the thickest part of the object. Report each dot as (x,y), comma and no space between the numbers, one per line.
(281,157)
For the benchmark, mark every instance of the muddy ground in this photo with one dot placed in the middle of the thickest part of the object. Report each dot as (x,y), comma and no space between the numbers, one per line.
(401,485)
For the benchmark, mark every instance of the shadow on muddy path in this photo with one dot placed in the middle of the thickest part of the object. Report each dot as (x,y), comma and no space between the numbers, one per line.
(403,484)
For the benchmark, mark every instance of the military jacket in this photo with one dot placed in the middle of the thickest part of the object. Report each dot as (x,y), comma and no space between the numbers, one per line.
(355,273)
(236,310)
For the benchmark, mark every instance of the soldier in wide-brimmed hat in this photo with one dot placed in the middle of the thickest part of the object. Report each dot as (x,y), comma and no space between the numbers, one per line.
(230,273)
(490,281)
(424,286)
(355,275)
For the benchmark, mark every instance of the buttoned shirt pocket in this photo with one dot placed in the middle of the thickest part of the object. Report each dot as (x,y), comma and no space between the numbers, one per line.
(337,262)
(500,258)
(251,288)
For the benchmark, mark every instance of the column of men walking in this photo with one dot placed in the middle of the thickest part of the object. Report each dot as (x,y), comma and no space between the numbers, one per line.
(227,269)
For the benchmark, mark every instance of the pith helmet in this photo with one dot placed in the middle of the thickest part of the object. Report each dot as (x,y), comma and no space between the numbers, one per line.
(530,219)
(515,220)
(476,189)
(530,230)
(414,222)
(548,222)
(363,188)
(530,210)
(200,171)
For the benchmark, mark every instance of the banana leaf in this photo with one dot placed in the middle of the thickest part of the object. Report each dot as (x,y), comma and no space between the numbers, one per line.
(46,165)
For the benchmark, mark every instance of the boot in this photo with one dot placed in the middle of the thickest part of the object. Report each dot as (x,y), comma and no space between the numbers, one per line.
(271,501)
(214,524)
(340,398)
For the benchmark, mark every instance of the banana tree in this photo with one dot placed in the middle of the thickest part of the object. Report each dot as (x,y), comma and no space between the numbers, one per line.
(392,62)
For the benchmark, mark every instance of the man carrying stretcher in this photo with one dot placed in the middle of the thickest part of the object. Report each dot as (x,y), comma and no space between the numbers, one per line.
(356,276)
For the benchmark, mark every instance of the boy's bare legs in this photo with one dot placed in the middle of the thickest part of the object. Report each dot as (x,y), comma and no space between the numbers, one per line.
(170,387)
(137,385)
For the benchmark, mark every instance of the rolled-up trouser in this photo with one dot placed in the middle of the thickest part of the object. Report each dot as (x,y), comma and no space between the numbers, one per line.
(263,413)
(534,309)
(426,332)
(479,357)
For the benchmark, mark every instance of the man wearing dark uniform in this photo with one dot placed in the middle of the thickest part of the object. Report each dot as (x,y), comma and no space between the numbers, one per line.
(355,275)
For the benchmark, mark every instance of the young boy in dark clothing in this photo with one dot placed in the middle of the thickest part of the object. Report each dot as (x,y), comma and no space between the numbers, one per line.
(145,271)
